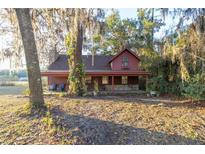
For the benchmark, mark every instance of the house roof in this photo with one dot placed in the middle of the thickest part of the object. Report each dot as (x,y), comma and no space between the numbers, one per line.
(101,62)
(101,66)
(128,50)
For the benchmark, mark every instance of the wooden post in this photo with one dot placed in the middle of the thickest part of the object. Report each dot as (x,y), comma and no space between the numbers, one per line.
(112,83)
(146,82)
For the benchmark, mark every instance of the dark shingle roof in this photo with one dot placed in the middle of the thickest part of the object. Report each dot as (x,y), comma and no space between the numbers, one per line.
(101,63)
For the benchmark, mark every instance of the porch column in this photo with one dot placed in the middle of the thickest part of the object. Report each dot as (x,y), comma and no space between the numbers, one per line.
(48,80)
(112,83)
(146,81)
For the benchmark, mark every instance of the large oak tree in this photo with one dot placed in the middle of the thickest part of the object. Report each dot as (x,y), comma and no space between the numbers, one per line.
(32,63)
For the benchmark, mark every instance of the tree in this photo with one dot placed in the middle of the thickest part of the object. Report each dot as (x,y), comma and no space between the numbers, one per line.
(187,47)
(183,53)
(119,34)
(75,43)
(195,88)
(32,63)
(52,25)
(47,23)
(136,34)
(10,38)
(80,20)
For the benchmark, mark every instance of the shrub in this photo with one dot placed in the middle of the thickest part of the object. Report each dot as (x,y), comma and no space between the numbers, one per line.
(195,88)
(142,83)
(175,87)
(48,120)
(63,94)
(163,86)
(157,84)
(26,92)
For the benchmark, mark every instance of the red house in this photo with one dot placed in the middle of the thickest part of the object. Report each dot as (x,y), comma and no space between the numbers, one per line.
(113,73)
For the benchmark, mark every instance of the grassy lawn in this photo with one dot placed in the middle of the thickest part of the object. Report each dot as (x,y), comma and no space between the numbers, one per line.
(101,120)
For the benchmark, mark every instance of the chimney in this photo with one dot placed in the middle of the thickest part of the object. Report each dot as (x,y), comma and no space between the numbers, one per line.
(93,58)
(53,55)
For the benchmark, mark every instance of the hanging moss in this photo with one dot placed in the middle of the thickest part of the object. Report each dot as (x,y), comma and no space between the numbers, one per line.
(76,75)
(96,87)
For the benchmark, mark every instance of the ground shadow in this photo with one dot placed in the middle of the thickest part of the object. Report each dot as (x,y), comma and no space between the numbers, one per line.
(166,103)
(147,101)
(95,131)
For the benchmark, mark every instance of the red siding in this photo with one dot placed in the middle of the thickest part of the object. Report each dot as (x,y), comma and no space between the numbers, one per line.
(132,62)
(56,80)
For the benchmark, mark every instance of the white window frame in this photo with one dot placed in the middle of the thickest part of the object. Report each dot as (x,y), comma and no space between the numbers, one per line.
(88,79)
(125,60)
(124,79)
(105,80)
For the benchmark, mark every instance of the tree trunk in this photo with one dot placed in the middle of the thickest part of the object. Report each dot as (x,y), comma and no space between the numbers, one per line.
(152,27)
(93,52)
(32,63)
(76,68)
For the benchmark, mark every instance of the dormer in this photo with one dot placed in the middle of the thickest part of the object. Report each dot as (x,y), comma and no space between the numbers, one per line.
(125,60)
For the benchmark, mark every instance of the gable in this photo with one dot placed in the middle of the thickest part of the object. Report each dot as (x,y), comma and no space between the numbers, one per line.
(125,50)
(132,61)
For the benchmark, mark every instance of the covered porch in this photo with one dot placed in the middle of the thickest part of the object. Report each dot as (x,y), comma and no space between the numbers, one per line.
(113,83)
(118,81)
(110,81)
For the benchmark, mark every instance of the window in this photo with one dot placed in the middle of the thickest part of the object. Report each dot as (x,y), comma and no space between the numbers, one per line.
(125,62)
(88,79)
(124,79)
(105,80)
